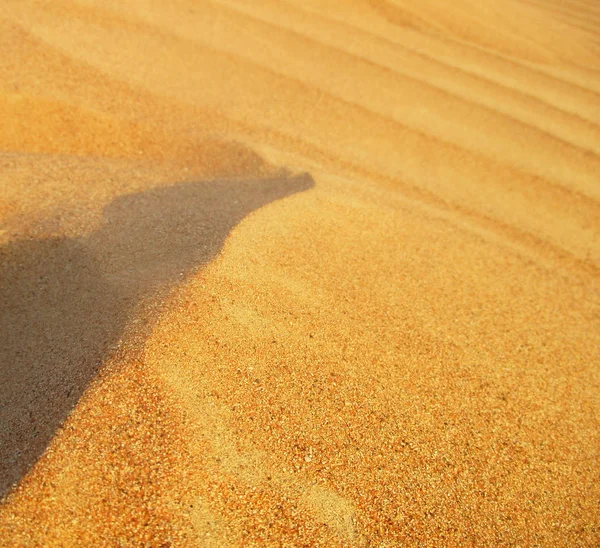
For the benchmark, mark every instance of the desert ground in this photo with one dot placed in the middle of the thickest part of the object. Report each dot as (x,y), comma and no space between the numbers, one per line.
(284,273)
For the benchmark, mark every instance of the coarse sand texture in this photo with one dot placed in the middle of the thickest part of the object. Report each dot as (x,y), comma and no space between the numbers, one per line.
(284,273)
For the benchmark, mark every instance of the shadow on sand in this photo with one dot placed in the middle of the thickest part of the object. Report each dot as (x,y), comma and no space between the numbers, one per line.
(67,302)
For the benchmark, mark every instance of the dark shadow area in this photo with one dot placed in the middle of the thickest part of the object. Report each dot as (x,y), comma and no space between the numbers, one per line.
(66,303)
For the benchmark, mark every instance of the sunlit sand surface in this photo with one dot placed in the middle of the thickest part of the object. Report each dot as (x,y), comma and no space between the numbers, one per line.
(285,273)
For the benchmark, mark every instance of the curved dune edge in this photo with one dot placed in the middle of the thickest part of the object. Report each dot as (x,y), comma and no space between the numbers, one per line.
(404,353)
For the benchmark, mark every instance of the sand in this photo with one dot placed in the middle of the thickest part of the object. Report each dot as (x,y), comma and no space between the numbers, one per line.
(285,273)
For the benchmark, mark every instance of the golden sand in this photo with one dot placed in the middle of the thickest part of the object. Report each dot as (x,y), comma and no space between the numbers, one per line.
(300,273)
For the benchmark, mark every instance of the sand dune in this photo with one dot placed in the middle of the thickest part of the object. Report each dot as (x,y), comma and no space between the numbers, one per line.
(299,273)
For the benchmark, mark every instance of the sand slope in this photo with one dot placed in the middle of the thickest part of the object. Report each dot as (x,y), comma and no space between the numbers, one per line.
(300,273)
